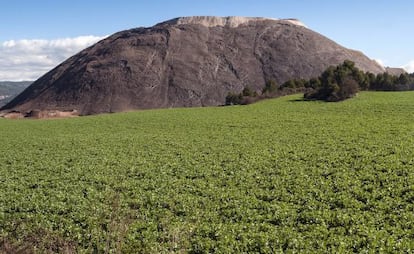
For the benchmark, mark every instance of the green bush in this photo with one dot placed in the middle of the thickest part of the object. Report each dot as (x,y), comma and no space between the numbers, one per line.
(234,99)
(337,83)
(270,87)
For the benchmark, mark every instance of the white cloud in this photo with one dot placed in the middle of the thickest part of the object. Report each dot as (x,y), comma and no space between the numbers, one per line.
(409,67)
(30,59)
(380,62)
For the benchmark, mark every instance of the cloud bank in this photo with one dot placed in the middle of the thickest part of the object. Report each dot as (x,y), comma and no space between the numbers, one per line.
(409,67)
(380,62)
(30,59)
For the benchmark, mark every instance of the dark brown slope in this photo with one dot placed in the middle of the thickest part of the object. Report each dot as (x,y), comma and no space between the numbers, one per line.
(193,61)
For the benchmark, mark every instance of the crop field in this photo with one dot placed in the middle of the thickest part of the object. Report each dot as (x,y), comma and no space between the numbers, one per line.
(281,175)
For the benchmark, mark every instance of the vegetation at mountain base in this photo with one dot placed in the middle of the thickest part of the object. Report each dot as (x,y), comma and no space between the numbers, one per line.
(336,83)
(345,80)
(282,175)
(270,90)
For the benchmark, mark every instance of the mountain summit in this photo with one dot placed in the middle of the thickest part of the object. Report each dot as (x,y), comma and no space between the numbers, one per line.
(232,21)
(184,62)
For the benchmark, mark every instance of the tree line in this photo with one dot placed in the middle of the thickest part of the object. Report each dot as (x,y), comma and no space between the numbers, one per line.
(336,83)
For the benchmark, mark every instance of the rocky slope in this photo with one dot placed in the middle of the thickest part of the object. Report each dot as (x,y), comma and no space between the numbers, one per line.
(184,62)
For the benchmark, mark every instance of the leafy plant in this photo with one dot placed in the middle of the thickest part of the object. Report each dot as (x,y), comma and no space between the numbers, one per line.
(277,176)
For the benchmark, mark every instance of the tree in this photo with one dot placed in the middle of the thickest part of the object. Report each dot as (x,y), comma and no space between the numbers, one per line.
(404,79)
(348,88)
(249,92)
(289,84)
(328,76)
(270,86)
(337,83)
(370,79)
(234,99)
(313,83)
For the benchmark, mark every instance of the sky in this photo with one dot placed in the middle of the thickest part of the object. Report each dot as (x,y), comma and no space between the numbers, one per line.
(37,35)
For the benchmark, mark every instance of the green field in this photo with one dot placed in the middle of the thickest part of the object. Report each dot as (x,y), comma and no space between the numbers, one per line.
(281,175)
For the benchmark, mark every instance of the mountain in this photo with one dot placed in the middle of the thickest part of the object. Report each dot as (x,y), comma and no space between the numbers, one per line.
(395,71)
(9,89)
(185,62)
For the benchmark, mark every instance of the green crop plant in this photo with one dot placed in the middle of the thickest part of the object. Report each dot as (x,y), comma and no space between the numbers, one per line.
(281,175)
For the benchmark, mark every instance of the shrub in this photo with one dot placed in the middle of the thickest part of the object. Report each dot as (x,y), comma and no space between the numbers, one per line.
(270,87)
(234,99)
(335,92)
(337,83)
(249,92)
(348,89)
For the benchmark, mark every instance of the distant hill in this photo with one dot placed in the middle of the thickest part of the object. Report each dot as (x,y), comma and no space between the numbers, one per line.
(185,62)
(395,71)
(9,90)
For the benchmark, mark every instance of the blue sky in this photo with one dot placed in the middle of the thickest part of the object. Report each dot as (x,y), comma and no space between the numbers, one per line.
(381,29)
